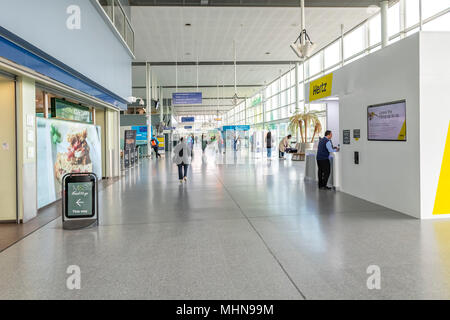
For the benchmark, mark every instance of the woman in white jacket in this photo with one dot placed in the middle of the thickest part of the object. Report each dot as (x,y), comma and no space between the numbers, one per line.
(182,158)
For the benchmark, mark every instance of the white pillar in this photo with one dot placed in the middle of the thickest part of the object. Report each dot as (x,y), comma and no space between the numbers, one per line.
(342,45)
(402,18)
(148,97)
(384,26)
(297,105)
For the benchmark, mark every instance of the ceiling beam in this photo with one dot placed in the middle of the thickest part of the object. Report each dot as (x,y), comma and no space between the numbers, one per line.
(256,3)
(206,86)
(213,63)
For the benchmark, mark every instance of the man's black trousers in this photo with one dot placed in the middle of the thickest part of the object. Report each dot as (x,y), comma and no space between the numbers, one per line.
(324,172)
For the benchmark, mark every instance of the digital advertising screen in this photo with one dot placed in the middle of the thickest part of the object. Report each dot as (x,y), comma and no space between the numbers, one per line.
(387,122)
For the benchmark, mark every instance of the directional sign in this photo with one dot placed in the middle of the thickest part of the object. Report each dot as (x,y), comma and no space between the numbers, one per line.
(79,200)
(186,98)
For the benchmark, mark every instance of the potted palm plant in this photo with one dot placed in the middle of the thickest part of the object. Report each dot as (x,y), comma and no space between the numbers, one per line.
(303,121)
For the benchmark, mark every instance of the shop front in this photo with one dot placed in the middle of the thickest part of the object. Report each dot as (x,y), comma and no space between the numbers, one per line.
(8,149)
(54,121)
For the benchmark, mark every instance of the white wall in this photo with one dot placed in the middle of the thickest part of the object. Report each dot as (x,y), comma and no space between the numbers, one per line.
(93,50)
(434,113)
(388,173)
(333,121)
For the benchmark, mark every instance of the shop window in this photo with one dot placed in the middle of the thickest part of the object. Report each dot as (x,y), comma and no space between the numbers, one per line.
(375,30)
(40,103)
(354,42)
(411,12)
(440,24)
(332,54)
(432,7)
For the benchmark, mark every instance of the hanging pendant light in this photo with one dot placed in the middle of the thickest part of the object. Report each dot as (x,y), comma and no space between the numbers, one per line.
(303,46)
(235,97)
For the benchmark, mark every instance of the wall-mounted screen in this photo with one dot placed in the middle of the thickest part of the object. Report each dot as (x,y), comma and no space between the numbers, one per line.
(387,121)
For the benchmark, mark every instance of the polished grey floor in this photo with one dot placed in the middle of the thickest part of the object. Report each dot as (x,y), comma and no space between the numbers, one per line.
(240,228)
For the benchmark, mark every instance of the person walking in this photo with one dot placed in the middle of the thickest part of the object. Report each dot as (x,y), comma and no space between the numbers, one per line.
(155,147)
(269,145)
(182,158)
(237,140)
(204,142)
(324,151)
(284,144)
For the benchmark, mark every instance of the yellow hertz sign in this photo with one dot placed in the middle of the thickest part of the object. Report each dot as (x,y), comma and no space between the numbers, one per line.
(442,201)
(321,87)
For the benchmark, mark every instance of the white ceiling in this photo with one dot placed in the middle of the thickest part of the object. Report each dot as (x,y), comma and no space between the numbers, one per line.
(161,36)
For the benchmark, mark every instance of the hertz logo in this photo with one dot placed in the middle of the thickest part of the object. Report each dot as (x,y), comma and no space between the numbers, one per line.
(321,87)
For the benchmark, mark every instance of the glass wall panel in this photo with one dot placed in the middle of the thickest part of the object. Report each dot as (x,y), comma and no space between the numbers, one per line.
(332,54)
(375,30)
(315,64)
(431,7)
(411,12)
(119,19)
(440,24)
(107,5)
(394,19)
(354,42)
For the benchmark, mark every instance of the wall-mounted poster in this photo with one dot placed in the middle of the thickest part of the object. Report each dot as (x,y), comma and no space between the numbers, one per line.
(346,136)
(64,147)
(387,121)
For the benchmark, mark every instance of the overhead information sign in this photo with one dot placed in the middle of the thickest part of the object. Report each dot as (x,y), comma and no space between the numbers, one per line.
(187,98)
(187,119)
(321,87)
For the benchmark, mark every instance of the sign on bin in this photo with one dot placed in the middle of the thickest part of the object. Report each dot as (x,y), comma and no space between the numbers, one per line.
(79,200)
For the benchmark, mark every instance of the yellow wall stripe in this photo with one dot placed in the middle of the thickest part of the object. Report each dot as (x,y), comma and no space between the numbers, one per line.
(442,201)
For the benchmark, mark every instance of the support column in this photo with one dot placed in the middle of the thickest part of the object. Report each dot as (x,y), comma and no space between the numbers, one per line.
(26,149)
(402,19)
(342,45)
(384,23)
(148,106)
(297,103)
(161,111)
